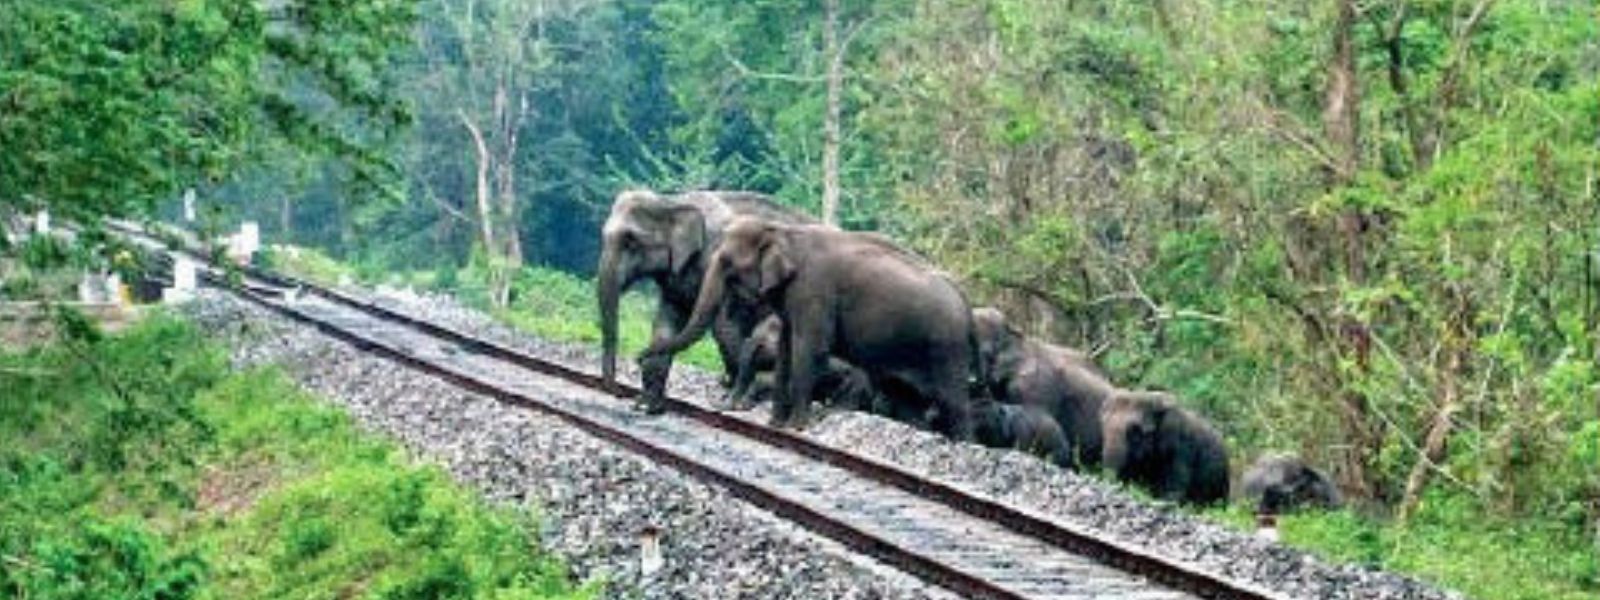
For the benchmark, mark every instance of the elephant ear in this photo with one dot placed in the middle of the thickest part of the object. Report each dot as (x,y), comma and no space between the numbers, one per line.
(1155,419)
(777,267)
(686,238)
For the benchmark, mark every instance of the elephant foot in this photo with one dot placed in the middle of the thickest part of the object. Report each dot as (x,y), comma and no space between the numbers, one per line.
(729,403)
(796,419)
(650,406)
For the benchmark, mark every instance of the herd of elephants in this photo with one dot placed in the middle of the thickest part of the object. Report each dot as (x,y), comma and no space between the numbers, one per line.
(804,312)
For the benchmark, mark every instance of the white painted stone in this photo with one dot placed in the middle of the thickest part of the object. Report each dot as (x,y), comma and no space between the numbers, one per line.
(41,223)
(243,246)
(250,237)
(188,205)
(115,292)
(650,558)
(92,289)
(183,274)
(175,296)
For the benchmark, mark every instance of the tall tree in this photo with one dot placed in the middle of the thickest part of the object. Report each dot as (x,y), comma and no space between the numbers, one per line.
(485,59)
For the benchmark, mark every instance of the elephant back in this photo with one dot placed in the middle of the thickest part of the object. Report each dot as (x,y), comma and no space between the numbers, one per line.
(721,207)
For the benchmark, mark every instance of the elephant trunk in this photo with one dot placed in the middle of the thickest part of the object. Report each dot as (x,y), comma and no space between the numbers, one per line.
(1114,452)
(610,284)
(706,306)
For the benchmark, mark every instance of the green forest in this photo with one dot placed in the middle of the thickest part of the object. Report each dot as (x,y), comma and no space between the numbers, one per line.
(1364,232)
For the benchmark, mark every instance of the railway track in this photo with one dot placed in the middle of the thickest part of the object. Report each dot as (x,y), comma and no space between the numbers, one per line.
(964,542)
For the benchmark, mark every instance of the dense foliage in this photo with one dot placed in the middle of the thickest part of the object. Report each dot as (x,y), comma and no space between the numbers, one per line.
(106,107)
(137,467)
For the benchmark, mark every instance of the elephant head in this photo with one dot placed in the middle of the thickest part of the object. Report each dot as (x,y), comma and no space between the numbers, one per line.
(1132,423)
(996,341)
(1279,483)
(754,262)
(646,237)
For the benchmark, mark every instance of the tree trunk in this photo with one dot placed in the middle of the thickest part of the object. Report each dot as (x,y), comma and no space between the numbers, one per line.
(1341,99)
(1340,123)
(486,213)
(830,143)
(1437,442)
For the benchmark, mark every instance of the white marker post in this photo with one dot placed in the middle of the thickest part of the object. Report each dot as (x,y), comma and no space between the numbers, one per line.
(650,559)
(183,281)
(116,293)
(188,205)
(41,222)
(244,245)
(91,289)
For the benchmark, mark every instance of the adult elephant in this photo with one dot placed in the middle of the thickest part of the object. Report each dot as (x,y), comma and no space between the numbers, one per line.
(669,240)
(851,295)
(1062,382)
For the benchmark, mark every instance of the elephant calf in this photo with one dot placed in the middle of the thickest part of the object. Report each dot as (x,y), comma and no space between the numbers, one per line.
(1026,428)
(843,385)
(1279,483)
(1152,442)
(1062,382)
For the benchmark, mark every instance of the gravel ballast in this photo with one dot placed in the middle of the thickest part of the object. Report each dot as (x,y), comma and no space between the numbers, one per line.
(1015,479)
(594,500)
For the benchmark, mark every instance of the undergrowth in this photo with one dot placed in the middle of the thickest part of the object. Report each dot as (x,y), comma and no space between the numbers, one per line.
(137,466)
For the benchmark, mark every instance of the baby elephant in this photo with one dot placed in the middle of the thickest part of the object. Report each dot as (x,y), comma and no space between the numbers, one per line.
(1152,442)
(1280,483)
(845,386)
(1021,370)
(1026,428)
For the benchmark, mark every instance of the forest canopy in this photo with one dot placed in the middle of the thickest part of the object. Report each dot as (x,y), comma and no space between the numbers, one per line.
(107,107)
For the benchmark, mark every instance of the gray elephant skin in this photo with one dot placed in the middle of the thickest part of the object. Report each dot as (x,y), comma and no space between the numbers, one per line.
(669,240)
(1062,382)
(850,295)
(1280,483)
(1152,442)
(844,386)
(1026,428)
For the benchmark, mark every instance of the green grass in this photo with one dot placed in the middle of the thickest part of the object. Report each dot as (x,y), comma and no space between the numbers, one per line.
(1450,543)
(309,264)
(138,467)
(560,306)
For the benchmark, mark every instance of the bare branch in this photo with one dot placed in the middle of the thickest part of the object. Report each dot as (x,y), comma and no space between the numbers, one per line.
(747,72)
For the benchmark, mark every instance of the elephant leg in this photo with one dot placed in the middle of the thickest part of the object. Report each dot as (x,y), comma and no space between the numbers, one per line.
(808,336)
(949,395)
(902,403)
(749,364)
(730,331)
(806,364)
(655,369)
(1175,484)
(760,391)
